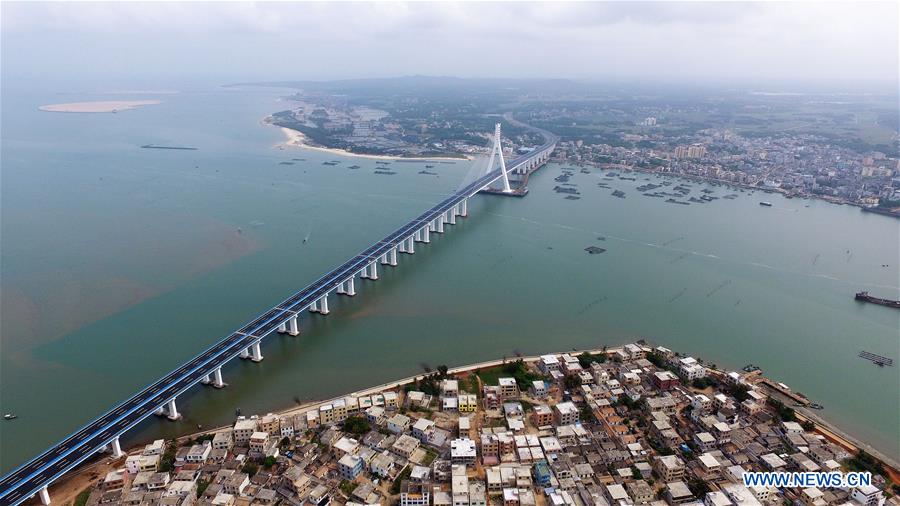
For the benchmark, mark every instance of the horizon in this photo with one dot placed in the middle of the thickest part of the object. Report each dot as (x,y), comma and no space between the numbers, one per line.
(705,42)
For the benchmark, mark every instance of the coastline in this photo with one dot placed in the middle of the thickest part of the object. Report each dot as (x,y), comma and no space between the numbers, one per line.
(296,140)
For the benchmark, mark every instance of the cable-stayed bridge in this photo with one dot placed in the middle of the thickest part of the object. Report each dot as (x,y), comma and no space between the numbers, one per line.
(34,477)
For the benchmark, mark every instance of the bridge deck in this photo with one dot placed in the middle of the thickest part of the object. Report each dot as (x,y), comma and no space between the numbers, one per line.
(29,478)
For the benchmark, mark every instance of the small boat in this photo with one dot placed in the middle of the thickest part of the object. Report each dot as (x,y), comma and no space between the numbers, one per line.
(10,416)
(765,204)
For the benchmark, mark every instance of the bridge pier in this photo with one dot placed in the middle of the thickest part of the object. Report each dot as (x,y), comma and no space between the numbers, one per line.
(217,378)
(452,214)
(256,353)
(314,307)
(408,246)
(293,328)
(427,232)
(282,328)
(172,411)
(464,211)
(116,448)
(245,353)
(402,246)
(370,271)
(439,224)
(323,304)
(351,286)
(45,496)
(392,257)
(341,289)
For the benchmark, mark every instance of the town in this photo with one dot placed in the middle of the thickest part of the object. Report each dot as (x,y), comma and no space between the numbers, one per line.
(630,425)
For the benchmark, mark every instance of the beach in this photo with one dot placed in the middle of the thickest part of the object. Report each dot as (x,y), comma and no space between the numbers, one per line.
(98,106)
(296,139)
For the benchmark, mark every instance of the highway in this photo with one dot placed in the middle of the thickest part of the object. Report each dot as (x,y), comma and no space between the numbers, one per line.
(34,475)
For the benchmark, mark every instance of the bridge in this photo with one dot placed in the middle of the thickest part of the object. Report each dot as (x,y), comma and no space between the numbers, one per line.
(34,477)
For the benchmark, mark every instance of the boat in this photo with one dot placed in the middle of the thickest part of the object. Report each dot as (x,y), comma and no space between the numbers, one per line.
(865,297)
(10,416)
(765,204)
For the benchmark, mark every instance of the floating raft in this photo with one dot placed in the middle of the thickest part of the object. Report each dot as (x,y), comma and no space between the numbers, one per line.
(876,359)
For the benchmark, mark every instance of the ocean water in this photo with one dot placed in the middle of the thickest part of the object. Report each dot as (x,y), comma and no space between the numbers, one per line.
(118,263)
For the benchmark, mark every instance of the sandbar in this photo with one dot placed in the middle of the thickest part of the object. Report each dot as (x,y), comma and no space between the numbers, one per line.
(99,106)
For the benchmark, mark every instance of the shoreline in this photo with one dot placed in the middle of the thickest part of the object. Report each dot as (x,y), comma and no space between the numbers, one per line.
(296,140)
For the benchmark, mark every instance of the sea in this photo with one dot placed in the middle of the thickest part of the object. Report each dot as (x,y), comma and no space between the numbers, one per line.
(120,262)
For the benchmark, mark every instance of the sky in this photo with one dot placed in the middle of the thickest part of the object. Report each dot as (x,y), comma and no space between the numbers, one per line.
(649,41)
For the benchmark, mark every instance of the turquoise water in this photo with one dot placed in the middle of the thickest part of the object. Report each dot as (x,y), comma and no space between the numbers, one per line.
(118,263)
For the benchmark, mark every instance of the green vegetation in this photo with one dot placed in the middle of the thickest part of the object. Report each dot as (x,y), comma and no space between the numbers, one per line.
(82,497)
(347,487)
(862,461)
(398,481)
(431,383)
(250,468)
(201,487)
(785,413)
(586,359)
(808,425)
(167,461)
(356,425)
(268,462)
(516,369)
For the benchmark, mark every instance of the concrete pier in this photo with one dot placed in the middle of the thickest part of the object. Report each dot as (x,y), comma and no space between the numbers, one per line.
(464,208)
(245,353)
(45,496)
(172,410)
(351,286)
(256,353)
(116,448)
(217,375)
(314,307)
(293,327)
(282,328)
(426,234)
(323,304)
(452,215)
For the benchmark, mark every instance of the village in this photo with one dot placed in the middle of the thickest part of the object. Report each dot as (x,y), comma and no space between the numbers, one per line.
(626,426)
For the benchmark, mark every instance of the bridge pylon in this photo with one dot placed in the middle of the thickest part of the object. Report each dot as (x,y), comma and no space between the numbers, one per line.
(497,150)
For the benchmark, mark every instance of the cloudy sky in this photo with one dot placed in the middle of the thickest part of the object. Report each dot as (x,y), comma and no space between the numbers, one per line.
(700,41)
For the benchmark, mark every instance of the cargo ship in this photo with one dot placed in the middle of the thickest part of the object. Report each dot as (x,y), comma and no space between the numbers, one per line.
(865,297)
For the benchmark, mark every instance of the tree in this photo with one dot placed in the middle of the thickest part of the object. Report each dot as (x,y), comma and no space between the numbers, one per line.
(808,425)
(285,442)
(356,425)
(572,382)
(250,468)
(269,462)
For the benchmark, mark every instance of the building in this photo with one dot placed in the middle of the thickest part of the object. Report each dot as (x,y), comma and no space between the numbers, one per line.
(467,403)
(541,416)
(243,429)
(462,451)
(539,389)
(867,495)
(349,466)
(669,468)
(509,389)
(405,445)
(415,494)
(664,380)
(566,413)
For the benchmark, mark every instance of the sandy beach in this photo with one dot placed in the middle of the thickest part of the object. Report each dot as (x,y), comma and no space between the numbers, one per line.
(296,139)
(99,106)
